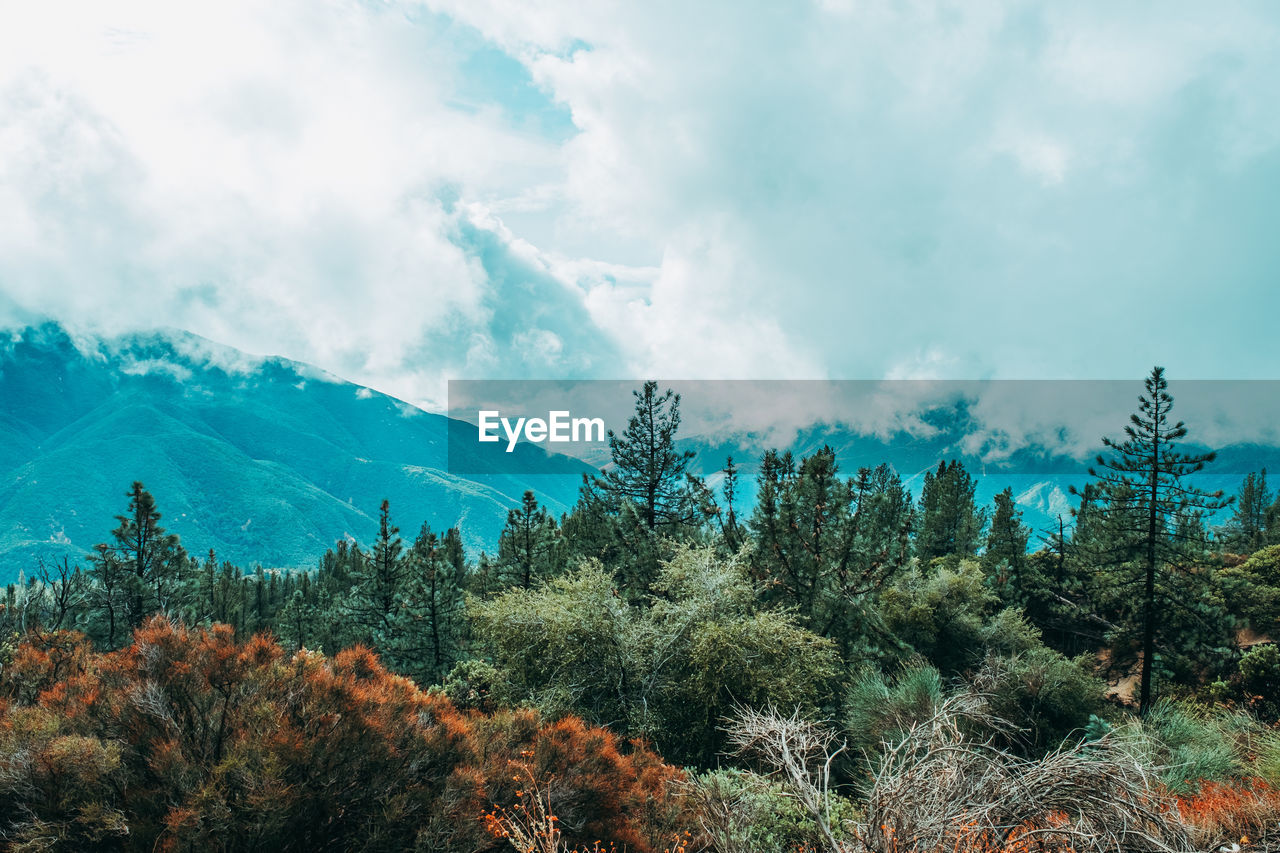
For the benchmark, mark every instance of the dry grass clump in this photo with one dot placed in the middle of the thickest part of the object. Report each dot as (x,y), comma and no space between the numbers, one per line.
(1243,812)
(939,788)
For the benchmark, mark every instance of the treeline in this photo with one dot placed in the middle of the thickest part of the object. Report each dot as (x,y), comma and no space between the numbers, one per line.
(662,609)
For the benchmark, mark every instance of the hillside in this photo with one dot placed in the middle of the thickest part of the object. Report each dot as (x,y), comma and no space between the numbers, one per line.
(263,459)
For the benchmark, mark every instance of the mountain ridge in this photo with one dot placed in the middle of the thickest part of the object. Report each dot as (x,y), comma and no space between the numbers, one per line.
(265,460)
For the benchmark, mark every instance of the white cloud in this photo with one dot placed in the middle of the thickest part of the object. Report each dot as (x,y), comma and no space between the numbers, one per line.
(271,179)
(751,190)
(1038,154)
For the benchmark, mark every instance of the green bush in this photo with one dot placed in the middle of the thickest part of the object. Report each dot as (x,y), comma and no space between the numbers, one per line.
(670,671)
(879,709)
(744,812)
(940,611)
(1190,743)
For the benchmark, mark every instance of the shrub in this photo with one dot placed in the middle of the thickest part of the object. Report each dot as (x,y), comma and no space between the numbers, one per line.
(880,709)
(1047,697)
(940,788)
(188,739)
(1188,744)
(1242,812)
(941,612)
(744,812)
(668,672)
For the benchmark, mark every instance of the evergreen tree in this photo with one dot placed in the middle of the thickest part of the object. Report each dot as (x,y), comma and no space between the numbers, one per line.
(817,550)
(1148,512)
(143,568)
(883,508)
(1272,526)
(376,584)
(588,529)
(429,620)
(1006,552)
(528,545)
(647,468)
(1247,530)
(730,529)
(950,522)
(108,574)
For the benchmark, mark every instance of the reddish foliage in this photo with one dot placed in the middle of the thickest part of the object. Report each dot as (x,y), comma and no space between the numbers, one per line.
(187,738)
(44,660)
(1237,811)
(597,788)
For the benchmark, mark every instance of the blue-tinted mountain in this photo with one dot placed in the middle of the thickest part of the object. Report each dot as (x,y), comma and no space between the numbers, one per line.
(1040,478)
(265,460)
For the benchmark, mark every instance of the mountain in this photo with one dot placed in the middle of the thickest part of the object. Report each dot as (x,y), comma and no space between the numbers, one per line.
(265,460)
(1039,477)
(270,461)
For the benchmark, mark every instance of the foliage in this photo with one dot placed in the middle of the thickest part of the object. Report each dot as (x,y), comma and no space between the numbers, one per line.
(1191,744)
(669,670)
(941,788)
(1243,813)
(1259,682)
(647,491)
(649,614)
(950,521)
(647,468)
(741,811)
(529,547)
(189,738)
(1252,524)
(1252,589)
(879,709)
(1048,698)
(799,754)
(940,612)
(825,545)
(1152,518)
(1005,556)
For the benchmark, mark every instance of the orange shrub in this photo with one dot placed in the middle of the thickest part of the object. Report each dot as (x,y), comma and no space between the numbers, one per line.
(187,739)
(596,787)
(1239,811)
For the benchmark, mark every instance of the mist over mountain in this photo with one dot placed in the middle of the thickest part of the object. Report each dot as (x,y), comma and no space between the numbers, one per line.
(270,461)
(1039,476)
(265,460)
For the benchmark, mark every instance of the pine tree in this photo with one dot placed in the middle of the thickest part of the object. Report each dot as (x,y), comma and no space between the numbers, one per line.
(1145,510)
(429,619)
(143,568)
(730,529)
(108,574)
(1247,530)
(1006,551)
(1271,529)
(950,522)
(647,468)
(376,584)
(527,546)
(883,508)
(818,548)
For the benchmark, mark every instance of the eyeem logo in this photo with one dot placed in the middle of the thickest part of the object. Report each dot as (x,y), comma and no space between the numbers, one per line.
(559,426)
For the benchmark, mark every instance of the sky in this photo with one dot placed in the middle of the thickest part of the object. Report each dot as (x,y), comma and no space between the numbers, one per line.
(401,193)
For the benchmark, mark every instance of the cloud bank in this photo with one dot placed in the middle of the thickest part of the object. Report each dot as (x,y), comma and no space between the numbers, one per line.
(406,192)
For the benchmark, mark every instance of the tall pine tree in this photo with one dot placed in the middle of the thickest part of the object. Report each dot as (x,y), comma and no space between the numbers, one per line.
(647,468)
(1006,551)
(1144,504)
(820,546)
(950,521)
(1247,530)
(143,569)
